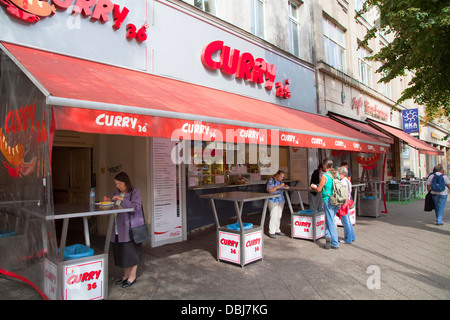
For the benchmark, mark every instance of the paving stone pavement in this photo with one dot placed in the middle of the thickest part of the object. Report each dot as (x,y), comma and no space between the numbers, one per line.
(404,250)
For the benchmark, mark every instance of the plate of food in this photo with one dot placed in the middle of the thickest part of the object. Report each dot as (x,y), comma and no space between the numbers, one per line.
(105,203)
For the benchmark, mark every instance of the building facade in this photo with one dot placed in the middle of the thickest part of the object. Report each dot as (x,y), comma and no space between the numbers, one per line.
(327,34)
(168,91)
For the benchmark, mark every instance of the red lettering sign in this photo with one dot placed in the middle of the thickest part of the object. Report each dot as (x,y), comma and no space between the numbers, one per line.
(86,276)
(253,242)
(228,242)
(32,11)
(243,66)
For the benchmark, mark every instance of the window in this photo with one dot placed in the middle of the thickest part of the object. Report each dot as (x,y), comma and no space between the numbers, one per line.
(358,7)
(387,90)
(364,67)
(334,45)
(258,18)
(294,35)
(206,5)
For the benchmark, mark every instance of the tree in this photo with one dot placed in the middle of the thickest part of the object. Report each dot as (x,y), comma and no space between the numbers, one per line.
(421,46)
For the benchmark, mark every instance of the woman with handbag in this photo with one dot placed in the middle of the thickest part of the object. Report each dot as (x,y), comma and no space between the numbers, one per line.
(127,253)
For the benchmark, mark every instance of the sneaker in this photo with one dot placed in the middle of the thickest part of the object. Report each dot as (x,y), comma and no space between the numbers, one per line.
(280,234)
(334,247)
(327,243)
(272,236)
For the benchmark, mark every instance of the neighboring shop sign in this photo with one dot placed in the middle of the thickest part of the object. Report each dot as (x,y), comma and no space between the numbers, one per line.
(244,66)
(369,108)
(410,120)
(31,11)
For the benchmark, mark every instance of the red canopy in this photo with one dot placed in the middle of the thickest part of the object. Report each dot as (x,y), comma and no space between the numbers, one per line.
(421,146)
(92,97)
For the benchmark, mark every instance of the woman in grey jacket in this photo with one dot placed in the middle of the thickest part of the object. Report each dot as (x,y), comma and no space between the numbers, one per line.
(127,254)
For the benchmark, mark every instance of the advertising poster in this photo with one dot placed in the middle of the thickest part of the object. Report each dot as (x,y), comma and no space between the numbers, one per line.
(166,209)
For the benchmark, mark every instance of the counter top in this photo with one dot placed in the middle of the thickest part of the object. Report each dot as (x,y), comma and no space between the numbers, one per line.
(239,196)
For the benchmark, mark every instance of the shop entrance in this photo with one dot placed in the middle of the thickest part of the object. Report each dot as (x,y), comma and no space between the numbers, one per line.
(71,171)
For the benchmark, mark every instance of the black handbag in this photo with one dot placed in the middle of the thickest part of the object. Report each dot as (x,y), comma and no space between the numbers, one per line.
(138,234)
(429,203)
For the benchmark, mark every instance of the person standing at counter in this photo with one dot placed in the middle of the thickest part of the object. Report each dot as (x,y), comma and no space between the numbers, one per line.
(326,187)
(276,204)
(315,179)
(349,233)
(127,254)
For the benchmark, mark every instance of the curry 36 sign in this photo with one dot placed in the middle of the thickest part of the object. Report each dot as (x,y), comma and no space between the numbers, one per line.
(244,66)
(32,11)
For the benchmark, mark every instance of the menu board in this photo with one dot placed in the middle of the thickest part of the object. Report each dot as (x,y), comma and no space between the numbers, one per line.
(166,183)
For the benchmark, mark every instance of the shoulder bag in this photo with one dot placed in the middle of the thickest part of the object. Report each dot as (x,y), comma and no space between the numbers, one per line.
(138,234)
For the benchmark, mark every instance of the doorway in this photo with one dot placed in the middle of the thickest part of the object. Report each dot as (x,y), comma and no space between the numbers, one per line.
(71,172)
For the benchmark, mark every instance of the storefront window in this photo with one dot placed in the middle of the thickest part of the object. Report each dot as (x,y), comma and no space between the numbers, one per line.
(219,163)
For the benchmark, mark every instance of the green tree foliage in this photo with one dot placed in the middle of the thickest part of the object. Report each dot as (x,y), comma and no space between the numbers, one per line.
(421,46)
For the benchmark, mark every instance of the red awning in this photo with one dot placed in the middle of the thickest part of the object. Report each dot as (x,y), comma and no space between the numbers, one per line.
(92,97)
(421,146)
(362,127)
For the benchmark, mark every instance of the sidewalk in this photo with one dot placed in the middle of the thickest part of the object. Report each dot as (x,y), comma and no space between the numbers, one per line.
(404,250)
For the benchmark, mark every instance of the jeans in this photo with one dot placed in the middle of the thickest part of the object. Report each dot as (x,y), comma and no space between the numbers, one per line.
(349,233)
(330,226)
(439,205)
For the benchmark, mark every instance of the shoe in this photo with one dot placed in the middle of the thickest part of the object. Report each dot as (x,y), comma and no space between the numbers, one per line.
(121,281)
(334,247)
(272,236)
(327,243)
(128,284)
(280,234)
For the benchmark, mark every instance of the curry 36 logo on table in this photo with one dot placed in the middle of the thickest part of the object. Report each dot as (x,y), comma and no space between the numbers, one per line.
(31,11)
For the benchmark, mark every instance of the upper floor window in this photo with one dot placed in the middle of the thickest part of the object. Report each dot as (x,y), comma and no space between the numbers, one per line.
(294,29)
(364,67)
(206,5)
(258,18)
(334,45)
(359,5)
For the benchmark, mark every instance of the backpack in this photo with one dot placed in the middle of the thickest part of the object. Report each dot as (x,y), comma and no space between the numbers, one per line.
(438,183)
(267,183)
(339,194)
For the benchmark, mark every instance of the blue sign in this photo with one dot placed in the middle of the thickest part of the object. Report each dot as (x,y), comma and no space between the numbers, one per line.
(410,120)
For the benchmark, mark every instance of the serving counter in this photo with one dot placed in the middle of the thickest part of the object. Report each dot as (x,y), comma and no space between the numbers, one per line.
(84,278)
(239,246)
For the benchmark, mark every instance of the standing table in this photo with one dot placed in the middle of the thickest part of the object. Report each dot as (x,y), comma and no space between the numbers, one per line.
(298,189)
(239,246)
(84,278)
(306,224)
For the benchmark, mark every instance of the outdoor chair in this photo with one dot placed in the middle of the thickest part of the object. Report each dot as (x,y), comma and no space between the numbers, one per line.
(393,190)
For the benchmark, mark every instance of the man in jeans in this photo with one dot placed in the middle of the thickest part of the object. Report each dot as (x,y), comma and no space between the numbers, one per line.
(276,204)
(439,197)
